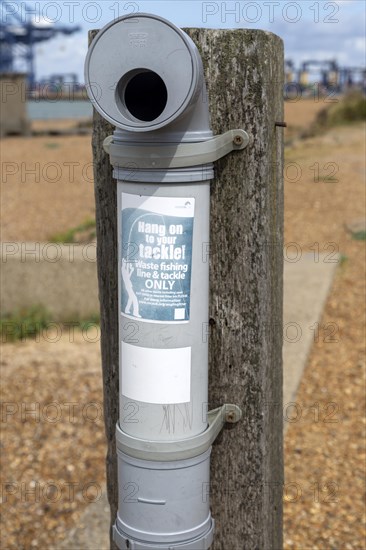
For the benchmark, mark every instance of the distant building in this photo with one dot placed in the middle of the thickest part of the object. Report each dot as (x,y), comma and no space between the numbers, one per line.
(13,106)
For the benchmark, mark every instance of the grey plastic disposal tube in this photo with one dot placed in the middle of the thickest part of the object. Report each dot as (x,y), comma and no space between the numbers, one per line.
(145,76)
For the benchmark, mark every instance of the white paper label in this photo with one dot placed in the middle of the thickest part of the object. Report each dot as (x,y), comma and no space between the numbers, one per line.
(160,376)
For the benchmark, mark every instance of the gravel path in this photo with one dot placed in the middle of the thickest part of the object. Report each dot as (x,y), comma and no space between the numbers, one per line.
(53,436)
(325,440)
(46,186)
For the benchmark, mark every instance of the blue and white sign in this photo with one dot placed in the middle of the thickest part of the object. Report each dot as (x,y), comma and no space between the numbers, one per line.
(157,235)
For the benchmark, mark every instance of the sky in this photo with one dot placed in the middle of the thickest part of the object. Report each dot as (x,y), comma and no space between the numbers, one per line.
(319,30)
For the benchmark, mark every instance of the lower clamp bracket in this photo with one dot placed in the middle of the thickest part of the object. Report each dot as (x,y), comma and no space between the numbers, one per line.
(182,448)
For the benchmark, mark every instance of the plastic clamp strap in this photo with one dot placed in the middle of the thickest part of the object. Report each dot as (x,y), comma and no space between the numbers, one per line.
(178,155)
(182,448)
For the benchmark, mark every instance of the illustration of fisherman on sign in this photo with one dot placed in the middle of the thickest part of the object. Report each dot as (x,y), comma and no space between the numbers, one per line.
(127,269)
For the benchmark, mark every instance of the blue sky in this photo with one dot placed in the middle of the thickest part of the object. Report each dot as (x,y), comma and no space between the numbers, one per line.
(310,29)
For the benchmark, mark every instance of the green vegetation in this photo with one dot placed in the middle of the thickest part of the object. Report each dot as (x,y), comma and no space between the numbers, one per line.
(26,322)
(328,179)
(53,145)
(349,109)
(359,236)
(30,322)
(343,259)
(93,320)
(85,232)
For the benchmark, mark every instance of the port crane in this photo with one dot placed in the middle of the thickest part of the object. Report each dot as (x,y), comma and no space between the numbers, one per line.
(19,33)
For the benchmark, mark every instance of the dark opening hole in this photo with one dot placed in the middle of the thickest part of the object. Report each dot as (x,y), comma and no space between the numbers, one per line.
(146,96)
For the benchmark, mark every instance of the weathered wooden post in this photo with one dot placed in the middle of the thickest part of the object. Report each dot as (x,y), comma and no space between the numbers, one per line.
(244,75)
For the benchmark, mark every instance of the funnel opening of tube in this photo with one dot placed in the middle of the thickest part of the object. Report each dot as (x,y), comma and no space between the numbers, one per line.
(143,94)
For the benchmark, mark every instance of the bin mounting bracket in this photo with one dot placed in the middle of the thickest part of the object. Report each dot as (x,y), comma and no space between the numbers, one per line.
(176,155)
(183,448)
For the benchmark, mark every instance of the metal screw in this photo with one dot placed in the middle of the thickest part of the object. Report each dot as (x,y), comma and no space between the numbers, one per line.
(230,417)
(238,140)
(281,124)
